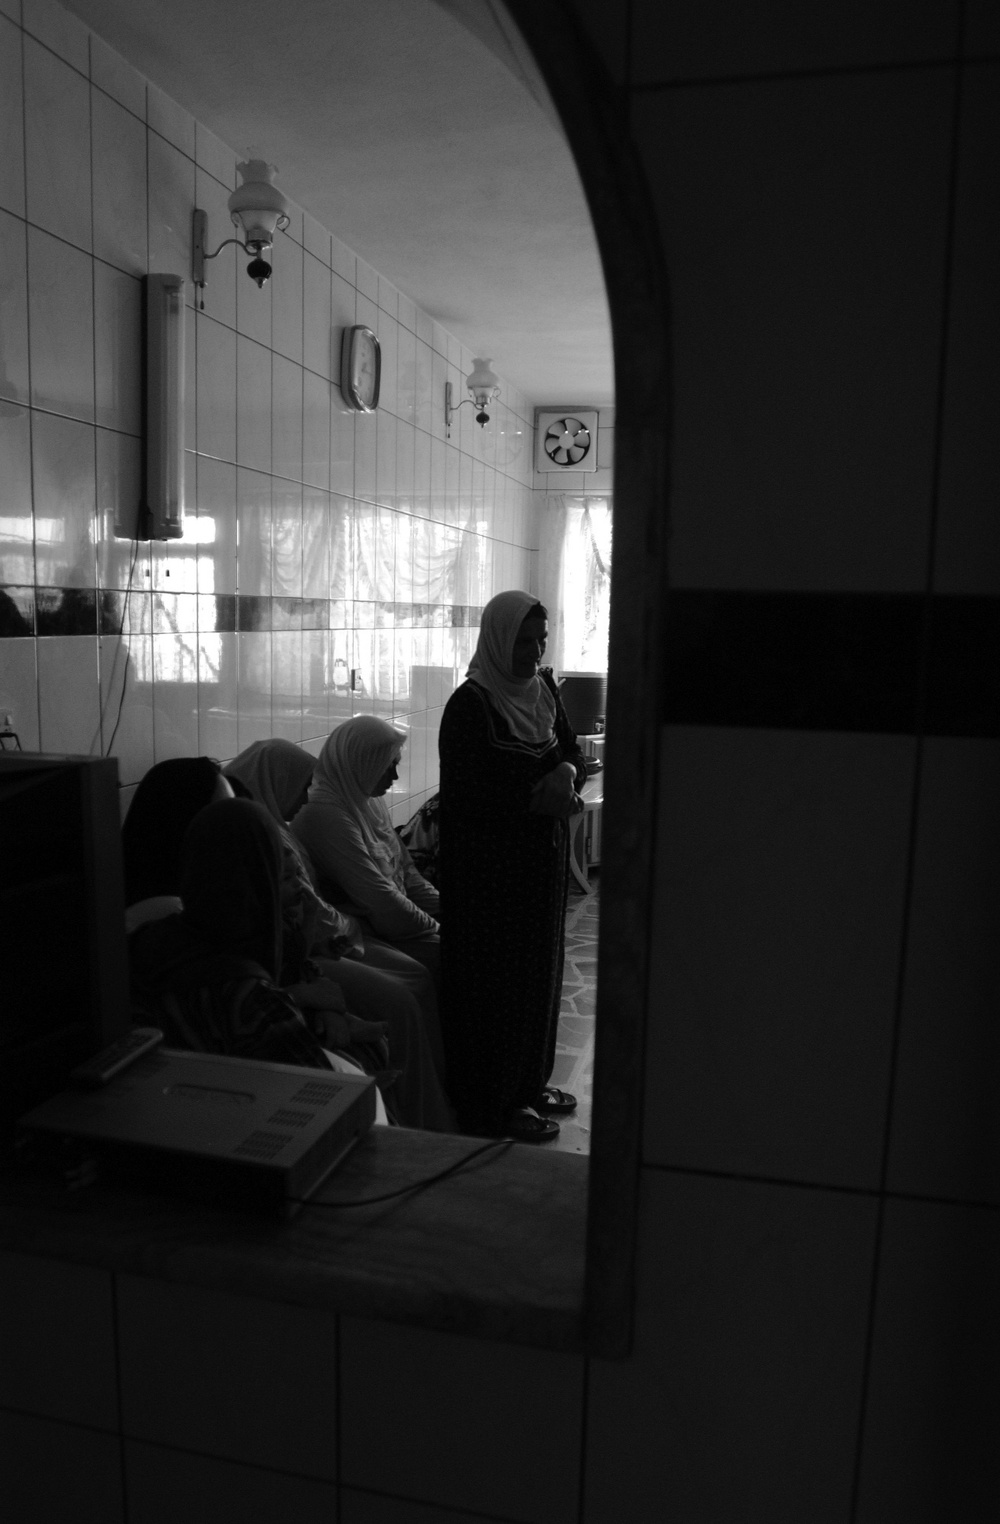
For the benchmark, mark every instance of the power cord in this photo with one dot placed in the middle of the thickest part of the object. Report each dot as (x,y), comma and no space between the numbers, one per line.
(417,1185)
(121,632)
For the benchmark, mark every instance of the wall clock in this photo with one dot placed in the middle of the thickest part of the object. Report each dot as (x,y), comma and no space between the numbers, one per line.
(360,369)
(566,439)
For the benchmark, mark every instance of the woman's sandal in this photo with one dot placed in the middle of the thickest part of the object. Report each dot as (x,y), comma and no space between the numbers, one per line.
(553,1100)
(526,1126)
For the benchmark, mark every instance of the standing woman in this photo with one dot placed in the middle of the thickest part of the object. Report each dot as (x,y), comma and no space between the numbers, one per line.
(510,769)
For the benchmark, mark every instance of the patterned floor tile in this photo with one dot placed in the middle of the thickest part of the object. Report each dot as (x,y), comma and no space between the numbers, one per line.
(574,1065)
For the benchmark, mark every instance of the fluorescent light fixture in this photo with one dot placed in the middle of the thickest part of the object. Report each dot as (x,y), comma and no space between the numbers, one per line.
(163,502)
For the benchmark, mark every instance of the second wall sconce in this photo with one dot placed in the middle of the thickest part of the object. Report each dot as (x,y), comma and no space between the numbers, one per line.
(483,388)
(258,208)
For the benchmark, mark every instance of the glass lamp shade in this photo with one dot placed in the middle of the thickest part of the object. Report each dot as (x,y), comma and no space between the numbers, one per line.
(481,382)
(258,205)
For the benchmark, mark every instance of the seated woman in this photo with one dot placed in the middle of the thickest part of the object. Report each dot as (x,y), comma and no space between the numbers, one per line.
(393,989)
(206,975)
(346,828)
(168,798)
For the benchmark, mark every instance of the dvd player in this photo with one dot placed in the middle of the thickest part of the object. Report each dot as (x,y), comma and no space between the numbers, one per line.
(230,1131)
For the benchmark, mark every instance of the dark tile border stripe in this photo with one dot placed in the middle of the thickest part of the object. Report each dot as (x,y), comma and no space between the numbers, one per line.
(891,663)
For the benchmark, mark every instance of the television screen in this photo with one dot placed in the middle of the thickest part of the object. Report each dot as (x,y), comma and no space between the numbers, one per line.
(64,981)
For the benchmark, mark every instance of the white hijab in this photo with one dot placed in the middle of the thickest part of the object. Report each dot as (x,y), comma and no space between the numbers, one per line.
(275,772)
(352,761)
(525,702)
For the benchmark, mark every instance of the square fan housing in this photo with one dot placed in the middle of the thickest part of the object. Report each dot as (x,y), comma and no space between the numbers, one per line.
(566,439)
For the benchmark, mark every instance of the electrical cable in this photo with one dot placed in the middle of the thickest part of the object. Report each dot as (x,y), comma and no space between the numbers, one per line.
(416,1185)
(121,631)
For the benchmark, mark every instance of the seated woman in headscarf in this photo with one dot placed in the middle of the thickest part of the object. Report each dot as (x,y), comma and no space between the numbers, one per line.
(168,798)
(346,828)
(207,974)
(378,984)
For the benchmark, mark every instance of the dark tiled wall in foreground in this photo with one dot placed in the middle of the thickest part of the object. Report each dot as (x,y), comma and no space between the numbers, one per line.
(818,1251)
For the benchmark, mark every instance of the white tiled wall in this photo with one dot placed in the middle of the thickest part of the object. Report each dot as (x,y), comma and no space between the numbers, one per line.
(394,533)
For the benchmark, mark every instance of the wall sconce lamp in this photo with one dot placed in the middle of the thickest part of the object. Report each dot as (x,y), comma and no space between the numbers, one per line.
(258,208)
(483,388)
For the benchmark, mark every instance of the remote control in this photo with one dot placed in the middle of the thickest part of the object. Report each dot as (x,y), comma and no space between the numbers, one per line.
(115,1057)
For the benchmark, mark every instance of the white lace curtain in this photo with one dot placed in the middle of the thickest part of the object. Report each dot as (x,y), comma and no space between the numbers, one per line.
(574,570)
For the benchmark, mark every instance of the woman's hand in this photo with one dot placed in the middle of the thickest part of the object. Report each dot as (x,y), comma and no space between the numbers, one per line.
(555,794)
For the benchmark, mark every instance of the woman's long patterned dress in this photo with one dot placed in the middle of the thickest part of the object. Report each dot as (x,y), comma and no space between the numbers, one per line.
(503,881)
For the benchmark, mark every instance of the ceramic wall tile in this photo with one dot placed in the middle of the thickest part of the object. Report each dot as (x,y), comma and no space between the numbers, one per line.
(110,73)
(967,548)
(59,1471)
(315,430)
(743,1393)
(16,527)
(119,494)
(929,1446)
(253,557)
(286,298)
(118,324)
(341,446)
(57,145)
(175,695)
(119,154)
(343,260)
(367,281)
(253,405)
(53,25)
(317,298)
(713,41)
(286,418)
(286,684)
(58,1340)
(773,978)
(222,274)
(982,30)
(69,716)
(216,527)
(19,689)
(316,240)
(443,1449)
(385,460)
(61,315)
(218,683)
(65,518)
(253,719)
(365,427)
(11,120)
(225,1366)
(125,664)
(316,543)
(286,539)
(165,1485)
(374,1508)
(215,157)
(424,378)
(817,324)
(170,121)
(387,337)
(216,394)
(945,1131)
(171,202)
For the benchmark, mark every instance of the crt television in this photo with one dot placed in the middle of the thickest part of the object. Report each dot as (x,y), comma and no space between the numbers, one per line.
(63,959)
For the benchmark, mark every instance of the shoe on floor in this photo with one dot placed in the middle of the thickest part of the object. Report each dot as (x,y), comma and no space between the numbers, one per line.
(526,1126)
(558,1101)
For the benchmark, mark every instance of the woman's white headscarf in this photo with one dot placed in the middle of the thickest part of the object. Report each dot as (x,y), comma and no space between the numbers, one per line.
(352,761)
(275,772)
(525,702)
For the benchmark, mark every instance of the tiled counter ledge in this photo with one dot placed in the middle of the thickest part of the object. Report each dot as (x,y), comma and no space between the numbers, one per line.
(495,1251)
